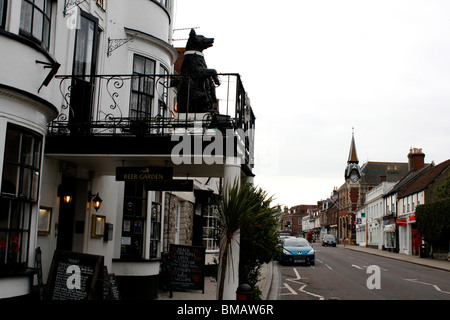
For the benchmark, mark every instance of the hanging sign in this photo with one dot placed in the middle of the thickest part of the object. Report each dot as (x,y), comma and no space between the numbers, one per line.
(143,173)
(170,185)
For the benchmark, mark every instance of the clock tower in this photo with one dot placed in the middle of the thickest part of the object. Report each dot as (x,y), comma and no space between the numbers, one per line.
(350,196)
(352,171)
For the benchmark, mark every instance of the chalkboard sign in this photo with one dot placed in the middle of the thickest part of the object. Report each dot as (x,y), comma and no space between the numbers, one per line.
(38,264)
(75,276)
(110,288)
(187,266)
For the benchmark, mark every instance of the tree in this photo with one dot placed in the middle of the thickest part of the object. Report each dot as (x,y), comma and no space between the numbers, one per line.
(258,244)
(239,206)
(433,223)
(443,191)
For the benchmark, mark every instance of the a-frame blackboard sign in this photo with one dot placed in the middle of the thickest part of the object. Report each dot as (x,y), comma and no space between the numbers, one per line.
(75,276)
(187,265)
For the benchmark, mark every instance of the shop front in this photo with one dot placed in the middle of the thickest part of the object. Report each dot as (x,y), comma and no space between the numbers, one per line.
(389,233)
(409,237)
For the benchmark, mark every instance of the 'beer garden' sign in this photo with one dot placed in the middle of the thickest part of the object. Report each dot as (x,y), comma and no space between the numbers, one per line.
(143,173)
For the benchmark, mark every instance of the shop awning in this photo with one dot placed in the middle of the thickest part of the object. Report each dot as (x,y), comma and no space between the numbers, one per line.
(389,228)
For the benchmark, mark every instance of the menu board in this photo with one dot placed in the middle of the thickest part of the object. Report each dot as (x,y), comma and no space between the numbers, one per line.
(187,266)
(110,288)
(75,276)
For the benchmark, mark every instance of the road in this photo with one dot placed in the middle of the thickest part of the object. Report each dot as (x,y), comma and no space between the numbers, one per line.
(345,274)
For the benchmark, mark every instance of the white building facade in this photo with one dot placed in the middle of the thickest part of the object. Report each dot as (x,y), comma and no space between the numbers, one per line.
(370,231)
(87,98)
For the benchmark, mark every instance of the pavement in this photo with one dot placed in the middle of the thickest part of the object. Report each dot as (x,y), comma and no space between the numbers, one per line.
(265,284)
(269,276)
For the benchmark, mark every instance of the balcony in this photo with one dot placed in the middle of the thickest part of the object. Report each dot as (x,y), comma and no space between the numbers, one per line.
(137,115)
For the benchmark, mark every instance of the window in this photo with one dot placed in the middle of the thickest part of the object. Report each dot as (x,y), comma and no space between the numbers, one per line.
(142,87)
(211,229)
(163,90)
(134,216)
(155,229)
(35,20)
(3,13)
(84,66)
(19,192)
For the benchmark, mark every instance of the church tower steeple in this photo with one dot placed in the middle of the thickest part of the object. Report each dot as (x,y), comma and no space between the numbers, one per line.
(352,156)
(352,171)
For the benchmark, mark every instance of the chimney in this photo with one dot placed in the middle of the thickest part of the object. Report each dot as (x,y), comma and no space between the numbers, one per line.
(416,159)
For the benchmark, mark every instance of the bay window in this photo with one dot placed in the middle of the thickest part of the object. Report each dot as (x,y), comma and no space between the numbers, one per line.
(19,193)
(35,20)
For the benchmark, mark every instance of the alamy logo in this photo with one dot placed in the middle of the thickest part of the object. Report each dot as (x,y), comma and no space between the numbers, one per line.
(73,18)
(210,147)
(374,281)
(74,280)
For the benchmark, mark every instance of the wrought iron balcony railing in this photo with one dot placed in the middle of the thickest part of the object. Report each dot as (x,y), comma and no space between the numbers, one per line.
(143,105)
(146,105)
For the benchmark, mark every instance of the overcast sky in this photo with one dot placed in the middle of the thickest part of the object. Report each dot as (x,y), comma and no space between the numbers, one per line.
(315,69)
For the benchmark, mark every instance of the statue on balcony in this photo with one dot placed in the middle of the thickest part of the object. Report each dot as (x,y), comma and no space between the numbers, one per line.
(196,90)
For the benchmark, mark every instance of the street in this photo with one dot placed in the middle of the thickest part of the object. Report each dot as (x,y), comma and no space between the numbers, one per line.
(345,274)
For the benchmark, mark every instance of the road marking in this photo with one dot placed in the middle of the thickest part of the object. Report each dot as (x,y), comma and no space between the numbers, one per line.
(296,273)
(310,293)
(438,289)
(324,264)
(301,289)
(293,292)
(428,284)
(357,267)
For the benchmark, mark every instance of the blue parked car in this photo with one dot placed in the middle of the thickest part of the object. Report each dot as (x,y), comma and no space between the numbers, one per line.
(297,250)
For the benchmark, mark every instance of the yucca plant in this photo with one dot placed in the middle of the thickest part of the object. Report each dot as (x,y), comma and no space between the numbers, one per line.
(240,205)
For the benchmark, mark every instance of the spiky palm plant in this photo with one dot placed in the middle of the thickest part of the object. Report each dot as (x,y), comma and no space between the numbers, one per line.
(240,205)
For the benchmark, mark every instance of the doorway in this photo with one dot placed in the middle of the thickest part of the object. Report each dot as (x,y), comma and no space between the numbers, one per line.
(66,216)
(84,66)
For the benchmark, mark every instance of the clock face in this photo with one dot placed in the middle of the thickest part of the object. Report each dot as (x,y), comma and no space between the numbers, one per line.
(354,177)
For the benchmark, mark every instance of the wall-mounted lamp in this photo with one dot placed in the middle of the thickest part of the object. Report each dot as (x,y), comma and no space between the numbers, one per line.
(97,201)
(67,198)
(65,193)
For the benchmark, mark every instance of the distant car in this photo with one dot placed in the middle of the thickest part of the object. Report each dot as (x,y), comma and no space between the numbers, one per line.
(297,250)
(329,240)
(284,234)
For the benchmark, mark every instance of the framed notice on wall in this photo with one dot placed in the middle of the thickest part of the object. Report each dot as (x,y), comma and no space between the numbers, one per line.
(98,226)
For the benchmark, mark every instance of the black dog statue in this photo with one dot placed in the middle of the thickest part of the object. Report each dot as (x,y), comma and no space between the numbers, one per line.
(196,90)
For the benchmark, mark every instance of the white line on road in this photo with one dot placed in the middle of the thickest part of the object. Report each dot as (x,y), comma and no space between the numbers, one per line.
(296,273)
(301,289)
(324,264)
(357,267)
(428,284)
(310,293)
(293,292)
